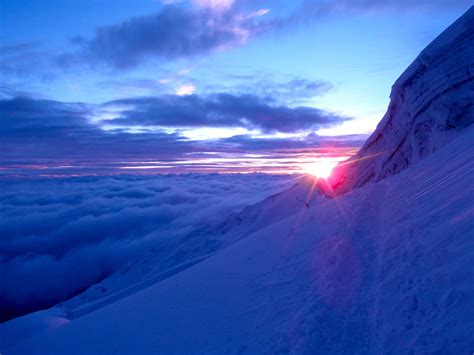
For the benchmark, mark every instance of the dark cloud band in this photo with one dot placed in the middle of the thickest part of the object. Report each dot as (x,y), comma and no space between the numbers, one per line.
(32,129)
(222,110)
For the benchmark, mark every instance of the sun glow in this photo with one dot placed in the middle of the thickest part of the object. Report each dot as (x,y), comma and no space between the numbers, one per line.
(321,169)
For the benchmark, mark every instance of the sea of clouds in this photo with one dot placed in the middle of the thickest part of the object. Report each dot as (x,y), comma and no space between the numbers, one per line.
(59,236)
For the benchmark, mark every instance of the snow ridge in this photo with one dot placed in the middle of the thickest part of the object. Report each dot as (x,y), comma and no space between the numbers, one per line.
(430,102)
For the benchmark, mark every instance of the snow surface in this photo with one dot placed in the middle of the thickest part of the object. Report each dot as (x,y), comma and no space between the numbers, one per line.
(383,267)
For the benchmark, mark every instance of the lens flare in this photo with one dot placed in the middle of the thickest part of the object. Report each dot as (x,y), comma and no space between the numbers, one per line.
(321,169)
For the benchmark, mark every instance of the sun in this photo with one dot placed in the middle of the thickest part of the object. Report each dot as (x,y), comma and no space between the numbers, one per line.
(321,169)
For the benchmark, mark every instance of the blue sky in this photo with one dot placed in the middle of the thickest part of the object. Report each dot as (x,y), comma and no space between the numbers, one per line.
(165,80)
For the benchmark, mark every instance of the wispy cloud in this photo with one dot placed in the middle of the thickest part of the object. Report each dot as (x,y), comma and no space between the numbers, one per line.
(178,31)
(173,32)
(217,5)
(292,91)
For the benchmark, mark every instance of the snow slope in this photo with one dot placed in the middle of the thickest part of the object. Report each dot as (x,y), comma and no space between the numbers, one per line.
(353,275)
(179,254)
(430,103)
(383,267)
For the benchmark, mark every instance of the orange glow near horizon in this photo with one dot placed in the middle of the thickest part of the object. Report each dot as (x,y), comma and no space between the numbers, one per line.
(316,162)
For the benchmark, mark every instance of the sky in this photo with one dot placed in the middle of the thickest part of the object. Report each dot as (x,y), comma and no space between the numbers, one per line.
(150,86)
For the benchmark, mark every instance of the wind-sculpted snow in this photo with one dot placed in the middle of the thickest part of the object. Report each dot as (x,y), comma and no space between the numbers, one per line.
(59,236)
(430,103)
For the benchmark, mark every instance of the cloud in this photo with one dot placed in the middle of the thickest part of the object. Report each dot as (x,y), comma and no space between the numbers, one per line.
(222,110)
(219,5)
(127,87)
(33,129)
(149,134)
(212,25)
(308,142)
(28,117)
(59,236)
(23,59)
(22,114)
(179,31)
(292,91)
(186,89)
(20,48)
(173,32)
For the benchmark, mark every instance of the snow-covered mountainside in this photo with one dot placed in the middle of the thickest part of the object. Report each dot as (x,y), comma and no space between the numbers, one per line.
(386,267)
(430,103)
(354,274)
